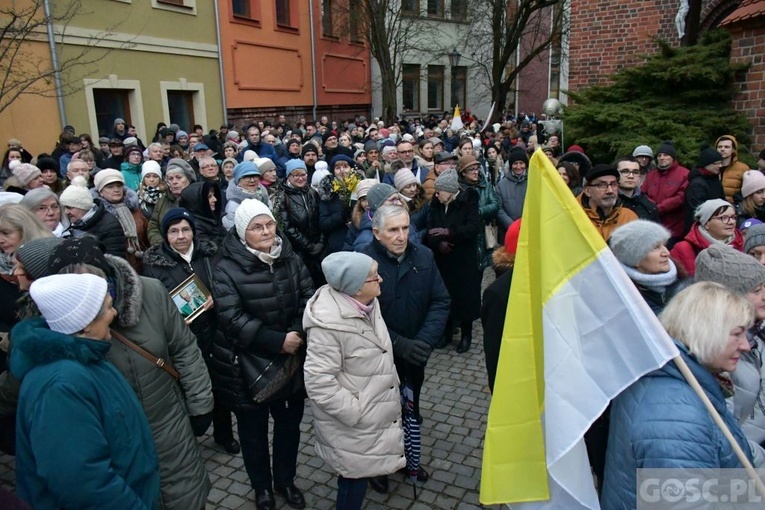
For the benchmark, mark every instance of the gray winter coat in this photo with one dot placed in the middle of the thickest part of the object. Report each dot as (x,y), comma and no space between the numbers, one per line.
(511,191)
(147,316)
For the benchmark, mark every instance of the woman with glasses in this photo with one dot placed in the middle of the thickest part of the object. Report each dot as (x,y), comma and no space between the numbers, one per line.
(703,183)
(245,184)
(45,205)
(714,223)
(260,287)
(351,379)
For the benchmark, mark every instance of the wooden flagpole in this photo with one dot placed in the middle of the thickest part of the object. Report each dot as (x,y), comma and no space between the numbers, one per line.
(680,362)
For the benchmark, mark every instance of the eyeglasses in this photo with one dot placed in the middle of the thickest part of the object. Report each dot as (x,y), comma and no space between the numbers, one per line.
(175,231)
(627,173)
(375,278)
(299,176)
(726,219)
(251,177)
(259,229)
(208,166)
(603,186)
(49,209)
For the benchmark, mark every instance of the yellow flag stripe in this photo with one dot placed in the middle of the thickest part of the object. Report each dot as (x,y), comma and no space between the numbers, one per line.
(556,242)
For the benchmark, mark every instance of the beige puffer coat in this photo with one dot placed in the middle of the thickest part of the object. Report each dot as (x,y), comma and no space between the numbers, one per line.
(353,387)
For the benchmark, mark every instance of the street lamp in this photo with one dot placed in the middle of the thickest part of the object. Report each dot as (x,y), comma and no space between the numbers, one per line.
(454,57)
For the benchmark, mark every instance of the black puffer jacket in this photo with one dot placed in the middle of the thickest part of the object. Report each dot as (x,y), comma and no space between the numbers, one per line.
(297,211)
(209,225)
(166,265)
(257,306)
(105,227)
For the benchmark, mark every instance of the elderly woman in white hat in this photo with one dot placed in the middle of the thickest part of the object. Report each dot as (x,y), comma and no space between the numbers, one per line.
(260,288)
(83,440)
(123,203)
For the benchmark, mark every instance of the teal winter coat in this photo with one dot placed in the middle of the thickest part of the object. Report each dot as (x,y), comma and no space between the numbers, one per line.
(83,440)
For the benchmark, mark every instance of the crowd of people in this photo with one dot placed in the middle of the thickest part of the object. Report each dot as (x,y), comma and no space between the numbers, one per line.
(150,291)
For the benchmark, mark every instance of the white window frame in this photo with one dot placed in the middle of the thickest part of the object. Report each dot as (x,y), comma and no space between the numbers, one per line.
(189,7)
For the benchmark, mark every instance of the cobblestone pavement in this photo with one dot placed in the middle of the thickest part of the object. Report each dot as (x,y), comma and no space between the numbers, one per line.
(454,405)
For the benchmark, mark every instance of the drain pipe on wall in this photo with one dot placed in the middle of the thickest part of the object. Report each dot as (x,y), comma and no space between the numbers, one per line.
(54,63)
(313,55)
(220,64)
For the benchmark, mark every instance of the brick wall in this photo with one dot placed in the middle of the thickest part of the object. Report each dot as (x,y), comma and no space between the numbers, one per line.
(749,47)
(608,35)
(243,116)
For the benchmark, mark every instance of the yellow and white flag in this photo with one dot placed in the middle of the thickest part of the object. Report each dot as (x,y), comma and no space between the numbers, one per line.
(457,123)
(577,333)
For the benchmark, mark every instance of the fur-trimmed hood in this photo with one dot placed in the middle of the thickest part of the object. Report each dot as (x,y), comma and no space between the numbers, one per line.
(162,255)
(128,291)
(502,260)
(35,344)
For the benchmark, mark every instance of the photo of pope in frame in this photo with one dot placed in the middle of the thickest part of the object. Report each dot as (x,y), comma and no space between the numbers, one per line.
(190,297)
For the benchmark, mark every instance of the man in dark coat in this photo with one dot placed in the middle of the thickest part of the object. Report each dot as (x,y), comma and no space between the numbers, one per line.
(414,301)
(703,183)
(255,143)
(629,190)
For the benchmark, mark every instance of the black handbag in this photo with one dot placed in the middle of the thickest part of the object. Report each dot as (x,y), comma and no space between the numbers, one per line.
(268,379)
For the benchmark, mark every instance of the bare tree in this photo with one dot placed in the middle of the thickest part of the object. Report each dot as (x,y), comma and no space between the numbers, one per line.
(519,31)
(394,36)
(25,69)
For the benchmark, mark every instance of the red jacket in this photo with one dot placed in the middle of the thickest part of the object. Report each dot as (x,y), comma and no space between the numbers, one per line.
(666,188)
(685,251)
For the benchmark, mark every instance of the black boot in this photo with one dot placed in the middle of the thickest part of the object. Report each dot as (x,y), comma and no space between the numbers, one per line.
(466,340)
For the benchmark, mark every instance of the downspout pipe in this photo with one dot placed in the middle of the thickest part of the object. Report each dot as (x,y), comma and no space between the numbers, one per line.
(54,63)
(313,55)
(220,64)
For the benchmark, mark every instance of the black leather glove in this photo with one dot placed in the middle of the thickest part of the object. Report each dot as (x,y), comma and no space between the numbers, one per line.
(200,423)
(411,350)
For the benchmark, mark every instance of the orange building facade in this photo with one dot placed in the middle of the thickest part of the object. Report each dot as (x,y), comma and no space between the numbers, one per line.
(275,61)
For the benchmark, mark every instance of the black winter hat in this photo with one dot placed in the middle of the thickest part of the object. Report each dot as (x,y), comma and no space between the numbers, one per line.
(175,215)
(517,154)
(599,171)
(666,147)
(309,147)
(708,156)
(80,250)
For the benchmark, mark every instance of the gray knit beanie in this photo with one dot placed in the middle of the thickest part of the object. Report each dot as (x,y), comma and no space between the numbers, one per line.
(705,211)
(347,272)
(378,194)
(447,181)
(729,267)
(34,255)
(634,240)
(755,236)
(179,165)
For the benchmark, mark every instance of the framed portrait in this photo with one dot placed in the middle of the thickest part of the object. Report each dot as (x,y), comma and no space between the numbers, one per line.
(190,297)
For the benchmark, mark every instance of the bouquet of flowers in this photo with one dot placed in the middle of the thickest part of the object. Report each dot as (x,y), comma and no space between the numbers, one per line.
(345,187)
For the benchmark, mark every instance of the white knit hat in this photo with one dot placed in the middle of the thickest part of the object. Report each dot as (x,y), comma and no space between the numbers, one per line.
(77,195)
(151,167)
(107,176)
(754,180)
(69,302)
(246,211)
(250,155)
